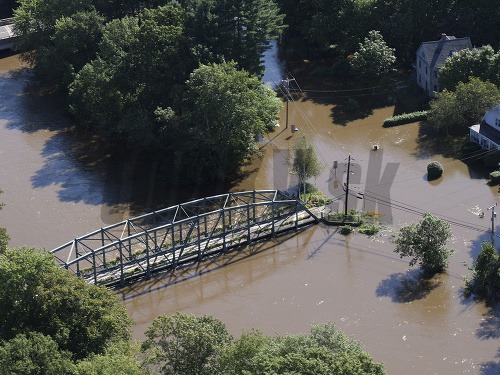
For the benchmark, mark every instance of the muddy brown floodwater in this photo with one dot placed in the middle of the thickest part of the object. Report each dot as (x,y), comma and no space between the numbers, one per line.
(53,194)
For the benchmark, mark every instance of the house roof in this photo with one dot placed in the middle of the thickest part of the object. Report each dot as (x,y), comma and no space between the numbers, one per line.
(491,116)
(436,52)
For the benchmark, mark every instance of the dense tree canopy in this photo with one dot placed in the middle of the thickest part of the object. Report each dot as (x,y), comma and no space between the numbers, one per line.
(482,63)
(186,344)
(37,296)
(486,273)
(224,109)
(425,243)
(455,111)
(338,26)
(374,58)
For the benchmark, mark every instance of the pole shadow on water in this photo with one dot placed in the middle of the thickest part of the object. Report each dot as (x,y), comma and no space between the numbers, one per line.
(407,287)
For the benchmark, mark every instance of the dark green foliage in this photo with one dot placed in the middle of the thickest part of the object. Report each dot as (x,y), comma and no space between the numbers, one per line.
(352,105)
(223,110)
(185,344)
(345,229)
(369,229)
(34,354)
(424,242)
(336,27)
(405,118)
(492,159)
(455,111)
(35,295)
(118,359)
(482,63)
(373,59)
(324,350)
(434,170)
(495,178)
(486,273)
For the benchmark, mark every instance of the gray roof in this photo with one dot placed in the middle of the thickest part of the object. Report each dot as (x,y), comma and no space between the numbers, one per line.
(436,52)
(6,31)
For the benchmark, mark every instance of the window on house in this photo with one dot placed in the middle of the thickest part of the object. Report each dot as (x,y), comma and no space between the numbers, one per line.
(419,63)
(419,78)
(436,88)
(435,74)
(426,71)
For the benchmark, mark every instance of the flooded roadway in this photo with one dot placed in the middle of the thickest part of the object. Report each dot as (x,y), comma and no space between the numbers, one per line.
(55,191)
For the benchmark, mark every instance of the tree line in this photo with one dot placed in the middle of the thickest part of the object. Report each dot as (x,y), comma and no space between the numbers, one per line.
(179,79)
(335,28)
(53,323)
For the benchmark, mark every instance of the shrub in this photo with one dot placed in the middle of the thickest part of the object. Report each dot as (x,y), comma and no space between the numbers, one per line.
(495,178)
(346,229)
(405,118)
(352,105)
(492,159)
(434,170)
(369,229)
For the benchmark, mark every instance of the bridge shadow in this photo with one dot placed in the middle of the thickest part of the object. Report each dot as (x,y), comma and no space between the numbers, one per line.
(162,280)
(407,287)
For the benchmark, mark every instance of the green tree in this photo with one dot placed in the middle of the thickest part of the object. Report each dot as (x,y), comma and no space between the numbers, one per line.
(36,295)
(477,62)
(456,110)
(486,272)
(224,108)
(425,243)
(185,344)
(374,59)
(33,354)
(305,163)
(242,28)
(118,359)
(4,237)
(324,350)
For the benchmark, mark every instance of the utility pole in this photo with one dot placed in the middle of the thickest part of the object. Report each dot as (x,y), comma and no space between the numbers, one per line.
(493,215)
(347,184)
(287,95)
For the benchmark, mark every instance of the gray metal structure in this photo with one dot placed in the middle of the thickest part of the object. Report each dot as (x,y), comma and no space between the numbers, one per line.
(7,36)
(186,233)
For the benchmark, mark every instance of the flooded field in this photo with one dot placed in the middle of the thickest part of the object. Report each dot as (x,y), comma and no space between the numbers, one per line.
(57,188)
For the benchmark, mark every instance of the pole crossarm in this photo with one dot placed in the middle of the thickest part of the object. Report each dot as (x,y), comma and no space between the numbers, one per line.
(173,236)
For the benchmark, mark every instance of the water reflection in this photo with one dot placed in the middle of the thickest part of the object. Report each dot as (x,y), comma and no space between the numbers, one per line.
(407,287)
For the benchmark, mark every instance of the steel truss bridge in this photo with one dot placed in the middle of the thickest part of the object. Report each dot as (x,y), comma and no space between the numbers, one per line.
(186,233)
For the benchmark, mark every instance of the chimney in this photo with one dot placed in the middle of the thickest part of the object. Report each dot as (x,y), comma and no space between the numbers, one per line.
(444,37)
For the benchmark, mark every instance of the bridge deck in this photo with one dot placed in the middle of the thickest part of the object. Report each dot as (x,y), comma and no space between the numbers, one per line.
(180,234)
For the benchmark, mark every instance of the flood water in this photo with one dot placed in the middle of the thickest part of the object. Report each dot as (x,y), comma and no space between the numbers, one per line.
(57,187)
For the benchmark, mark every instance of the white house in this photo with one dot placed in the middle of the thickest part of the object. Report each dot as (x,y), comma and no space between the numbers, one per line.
(487,133)
(431,57)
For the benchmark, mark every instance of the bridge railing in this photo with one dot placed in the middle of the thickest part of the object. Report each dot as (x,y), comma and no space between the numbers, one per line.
(185,233)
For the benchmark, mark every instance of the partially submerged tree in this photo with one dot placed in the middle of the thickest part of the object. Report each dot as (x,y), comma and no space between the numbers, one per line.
(486,273)
(304,163)
(425,243)
(455,111)
(374,59)
(224,109)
